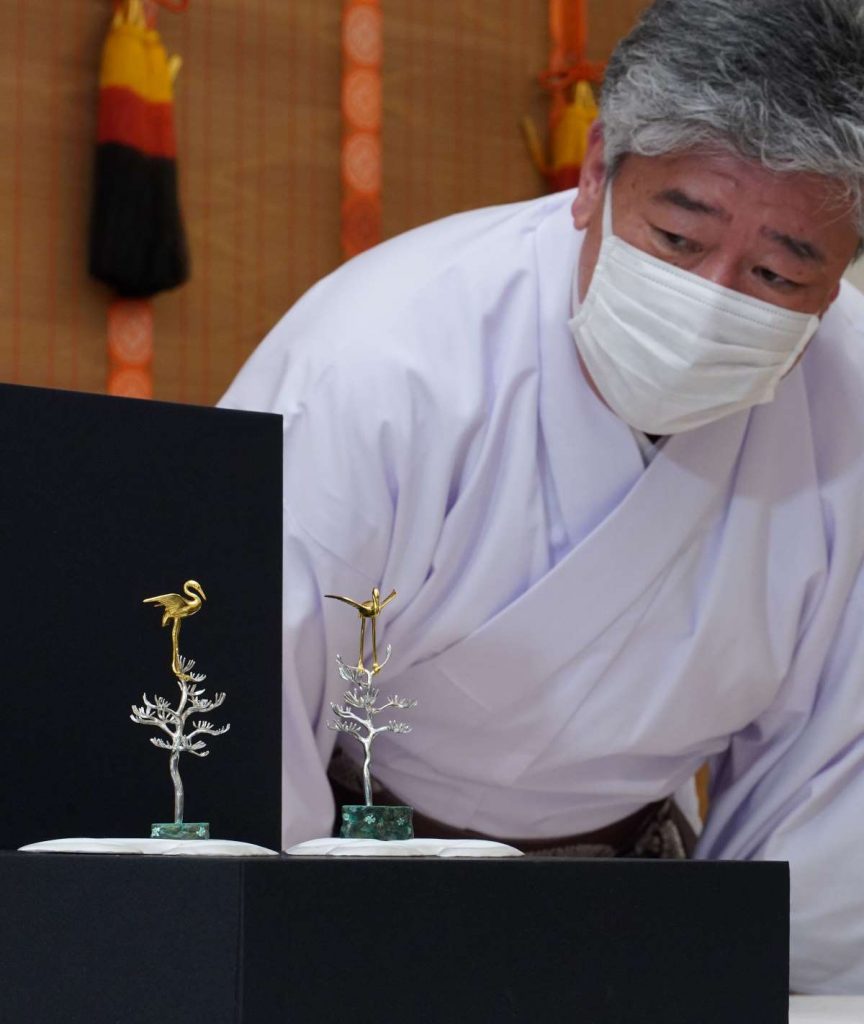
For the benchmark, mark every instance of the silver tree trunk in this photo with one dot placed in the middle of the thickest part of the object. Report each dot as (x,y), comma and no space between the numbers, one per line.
(178,786)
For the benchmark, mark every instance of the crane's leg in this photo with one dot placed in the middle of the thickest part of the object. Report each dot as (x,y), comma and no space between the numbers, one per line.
(362,641)
(375,665)
(175,649)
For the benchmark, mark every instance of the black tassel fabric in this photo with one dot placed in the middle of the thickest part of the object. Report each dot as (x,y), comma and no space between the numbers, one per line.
(137,241)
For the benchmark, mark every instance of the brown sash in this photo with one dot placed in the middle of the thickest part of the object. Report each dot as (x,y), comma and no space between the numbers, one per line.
(657,831)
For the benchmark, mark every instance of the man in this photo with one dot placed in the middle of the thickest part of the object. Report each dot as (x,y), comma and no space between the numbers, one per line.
(616,475)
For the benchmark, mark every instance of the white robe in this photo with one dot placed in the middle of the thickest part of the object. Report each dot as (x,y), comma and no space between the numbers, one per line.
(581,632)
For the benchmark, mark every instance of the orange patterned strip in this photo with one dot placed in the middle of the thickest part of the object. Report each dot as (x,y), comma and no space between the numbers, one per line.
(361,121)
(130,348)
(568,29)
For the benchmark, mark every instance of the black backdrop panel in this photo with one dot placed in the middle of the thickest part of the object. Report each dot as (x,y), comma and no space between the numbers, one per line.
(103,502)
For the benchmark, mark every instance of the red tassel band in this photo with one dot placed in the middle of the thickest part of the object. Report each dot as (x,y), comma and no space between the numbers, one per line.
(126,118)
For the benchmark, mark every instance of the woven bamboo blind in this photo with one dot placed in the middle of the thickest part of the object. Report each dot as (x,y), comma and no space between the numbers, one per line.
(258,129)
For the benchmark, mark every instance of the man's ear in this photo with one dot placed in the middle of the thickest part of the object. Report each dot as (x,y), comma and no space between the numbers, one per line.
(830,303)
(592,179)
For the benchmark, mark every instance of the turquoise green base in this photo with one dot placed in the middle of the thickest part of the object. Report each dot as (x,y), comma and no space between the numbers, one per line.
(362,822)
(180,830)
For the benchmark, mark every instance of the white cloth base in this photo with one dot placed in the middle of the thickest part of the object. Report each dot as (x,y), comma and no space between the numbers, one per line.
(402,848)
(826,1010)
(154,847)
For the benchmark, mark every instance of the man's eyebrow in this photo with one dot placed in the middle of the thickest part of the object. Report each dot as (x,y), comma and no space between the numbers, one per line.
(800,248)
(676,197)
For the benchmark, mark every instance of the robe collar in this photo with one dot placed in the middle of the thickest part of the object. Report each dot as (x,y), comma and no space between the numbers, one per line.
(626,524)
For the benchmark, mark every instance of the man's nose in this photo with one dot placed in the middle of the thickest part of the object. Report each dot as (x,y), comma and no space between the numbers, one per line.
(722,270)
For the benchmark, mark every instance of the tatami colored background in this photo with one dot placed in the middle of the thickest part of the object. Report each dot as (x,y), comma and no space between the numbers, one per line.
(258,129)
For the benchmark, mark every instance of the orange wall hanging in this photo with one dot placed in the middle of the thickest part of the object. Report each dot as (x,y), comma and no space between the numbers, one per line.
(361,126)
(130,348)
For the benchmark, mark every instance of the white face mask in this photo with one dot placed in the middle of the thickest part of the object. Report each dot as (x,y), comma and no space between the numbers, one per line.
(670,351)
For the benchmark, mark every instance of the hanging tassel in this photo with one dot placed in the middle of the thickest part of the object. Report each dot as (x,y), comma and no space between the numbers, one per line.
(572,108)
(137,241)
(570,138)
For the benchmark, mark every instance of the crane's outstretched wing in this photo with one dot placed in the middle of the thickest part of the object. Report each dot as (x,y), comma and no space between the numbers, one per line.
(172,603)
(362,608)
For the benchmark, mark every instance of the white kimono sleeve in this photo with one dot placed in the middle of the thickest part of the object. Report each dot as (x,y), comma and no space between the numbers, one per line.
(791,788)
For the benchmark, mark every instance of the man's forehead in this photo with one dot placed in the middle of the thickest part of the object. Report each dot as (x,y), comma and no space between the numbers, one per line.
(717,179)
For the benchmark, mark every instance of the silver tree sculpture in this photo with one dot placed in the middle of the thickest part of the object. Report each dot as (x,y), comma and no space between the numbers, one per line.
(172,721)
(357,714)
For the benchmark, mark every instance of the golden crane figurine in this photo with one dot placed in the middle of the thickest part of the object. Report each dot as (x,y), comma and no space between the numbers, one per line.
(367,610)
(177,608)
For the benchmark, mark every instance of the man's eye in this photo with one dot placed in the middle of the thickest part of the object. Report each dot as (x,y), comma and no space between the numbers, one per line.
(775,280)
(678,243)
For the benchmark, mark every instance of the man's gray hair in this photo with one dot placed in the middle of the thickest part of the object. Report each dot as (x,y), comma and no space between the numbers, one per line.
(778,81)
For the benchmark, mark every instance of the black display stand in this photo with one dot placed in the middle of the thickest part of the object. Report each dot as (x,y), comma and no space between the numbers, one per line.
(106,501)
(103,939)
